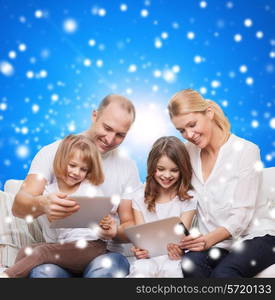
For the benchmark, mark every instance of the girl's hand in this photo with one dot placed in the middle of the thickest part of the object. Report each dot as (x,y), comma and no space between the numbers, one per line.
(198,243)
(140,253)
(108,228)
(174,251)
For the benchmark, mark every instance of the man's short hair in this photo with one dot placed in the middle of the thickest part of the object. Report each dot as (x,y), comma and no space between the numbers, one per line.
(123,102)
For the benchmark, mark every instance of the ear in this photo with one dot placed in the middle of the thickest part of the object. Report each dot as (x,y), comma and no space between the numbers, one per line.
(94,116)
(210,113)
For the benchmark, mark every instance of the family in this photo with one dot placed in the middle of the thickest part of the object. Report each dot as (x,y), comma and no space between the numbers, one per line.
(210,177)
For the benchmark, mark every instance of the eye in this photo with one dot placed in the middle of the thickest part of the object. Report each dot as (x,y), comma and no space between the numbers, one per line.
(72,165)
(181,131)
(192,125)
(121,135)
(84,169)
(175,170)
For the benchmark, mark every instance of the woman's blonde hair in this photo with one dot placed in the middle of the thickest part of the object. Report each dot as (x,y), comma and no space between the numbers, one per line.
(175,150)
(189,101)
(89,154)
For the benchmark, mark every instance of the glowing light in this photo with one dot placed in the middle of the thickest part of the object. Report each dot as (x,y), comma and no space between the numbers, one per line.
(197,59)
(187,264)
(258,166)
(35,108)
(92,42)
(6,68)
(144,13)
(178,229)
(70,25)
(102,12)
(248,22)
(237,37)
(54,97)
(214,253)
(164,35)
(22,47)
(203,4)
(29,219)
(99,63)
(115,200)
(123,7)
(272,123)
(3,106)
(194,232)
(157,73)
(87,62)
(81,244)
(249,81)
(132,68)
(158,43)
(30,74)
(38,13)
(259,34)
(190,35)
(255,124)
(169,76)
(12,54)
(215,84)
(176,69)
(22,151)
(28,251)
(106,262)
(243,68)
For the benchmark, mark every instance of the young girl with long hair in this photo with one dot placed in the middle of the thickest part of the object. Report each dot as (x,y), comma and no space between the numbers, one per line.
(168,193)
(78,171)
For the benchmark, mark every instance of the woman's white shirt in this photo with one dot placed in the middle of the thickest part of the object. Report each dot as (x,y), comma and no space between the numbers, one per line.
(230,197)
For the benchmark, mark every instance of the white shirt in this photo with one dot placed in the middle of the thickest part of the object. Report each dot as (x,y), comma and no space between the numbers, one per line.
(120,172)
(52,235)
(172,208)
(230,197)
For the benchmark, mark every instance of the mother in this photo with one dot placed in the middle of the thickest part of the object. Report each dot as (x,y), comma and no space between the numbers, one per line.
(226,178)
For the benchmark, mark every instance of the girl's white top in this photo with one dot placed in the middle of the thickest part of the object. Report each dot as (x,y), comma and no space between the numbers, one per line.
(231,196)
(52,235)
(172,208)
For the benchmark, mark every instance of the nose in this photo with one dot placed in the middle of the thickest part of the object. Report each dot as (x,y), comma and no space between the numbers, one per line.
(167,174)
(110,138)
(189,134)
(76,171)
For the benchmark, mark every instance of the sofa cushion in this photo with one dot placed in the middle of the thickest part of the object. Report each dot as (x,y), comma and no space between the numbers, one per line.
(14,232)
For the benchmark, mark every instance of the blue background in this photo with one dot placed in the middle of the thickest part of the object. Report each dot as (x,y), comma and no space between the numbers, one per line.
(48,91)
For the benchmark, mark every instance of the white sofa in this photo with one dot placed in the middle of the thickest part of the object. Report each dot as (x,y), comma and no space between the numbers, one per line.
(16,233)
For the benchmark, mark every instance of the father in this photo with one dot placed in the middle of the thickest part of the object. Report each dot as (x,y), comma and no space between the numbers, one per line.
(111,122)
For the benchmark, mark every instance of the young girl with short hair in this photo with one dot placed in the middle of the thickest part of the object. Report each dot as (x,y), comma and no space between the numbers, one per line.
(78,171)
(168,193)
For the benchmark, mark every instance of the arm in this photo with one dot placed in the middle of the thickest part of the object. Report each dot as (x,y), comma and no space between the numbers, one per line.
(30,201)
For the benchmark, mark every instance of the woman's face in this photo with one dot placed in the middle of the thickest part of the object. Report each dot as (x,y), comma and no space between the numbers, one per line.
(195,127)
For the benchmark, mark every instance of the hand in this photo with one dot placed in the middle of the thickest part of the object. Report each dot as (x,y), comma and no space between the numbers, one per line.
(108,228)
(174,251)
(56,206)
(198,243)
(140,253)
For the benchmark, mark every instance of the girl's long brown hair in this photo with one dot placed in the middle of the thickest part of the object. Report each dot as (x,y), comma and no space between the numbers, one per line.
(174,149)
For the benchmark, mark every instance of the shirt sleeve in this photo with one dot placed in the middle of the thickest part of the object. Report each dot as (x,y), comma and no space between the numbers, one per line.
(245,194)
(190,204)
(42,164)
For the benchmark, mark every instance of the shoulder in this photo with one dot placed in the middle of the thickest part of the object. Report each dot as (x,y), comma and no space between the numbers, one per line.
(50,148)
(243,145)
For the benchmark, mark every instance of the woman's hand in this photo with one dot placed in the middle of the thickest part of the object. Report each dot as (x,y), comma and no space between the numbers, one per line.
(108,228)
(140,253)
(174,251)
(191,243)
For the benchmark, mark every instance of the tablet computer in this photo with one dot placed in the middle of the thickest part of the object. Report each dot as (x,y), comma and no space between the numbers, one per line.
(155,236)
(91,211)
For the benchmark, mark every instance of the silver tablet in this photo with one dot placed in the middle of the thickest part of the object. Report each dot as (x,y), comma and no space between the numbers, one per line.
(91,211)
(155,236)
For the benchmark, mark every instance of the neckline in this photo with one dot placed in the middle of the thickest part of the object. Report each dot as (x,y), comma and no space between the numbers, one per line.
(216,162)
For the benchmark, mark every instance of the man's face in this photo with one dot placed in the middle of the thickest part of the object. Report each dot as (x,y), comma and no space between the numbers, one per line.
(109,129)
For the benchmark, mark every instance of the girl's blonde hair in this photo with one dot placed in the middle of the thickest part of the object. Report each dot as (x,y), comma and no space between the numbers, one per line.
(189,101)
(89,153)
(175,150)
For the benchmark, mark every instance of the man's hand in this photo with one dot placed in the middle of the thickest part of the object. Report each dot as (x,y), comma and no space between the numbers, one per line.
(174,251)
(140,253)
(56,206)
(108,228)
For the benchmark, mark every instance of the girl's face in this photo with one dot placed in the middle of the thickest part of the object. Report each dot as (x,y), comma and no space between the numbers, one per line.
(197,128)
(77,169)
(167,172)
